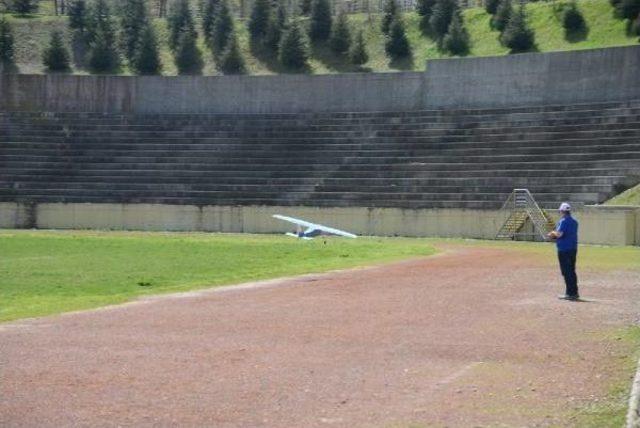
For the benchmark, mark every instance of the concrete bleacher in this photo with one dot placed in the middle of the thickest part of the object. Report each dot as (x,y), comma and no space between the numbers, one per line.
(584,153)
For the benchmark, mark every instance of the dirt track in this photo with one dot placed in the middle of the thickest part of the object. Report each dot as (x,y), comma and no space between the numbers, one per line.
(459,339)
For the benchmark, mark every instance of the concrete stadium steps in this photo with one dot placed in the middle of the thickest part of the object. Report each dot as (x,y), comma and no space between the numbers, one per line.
(419,159)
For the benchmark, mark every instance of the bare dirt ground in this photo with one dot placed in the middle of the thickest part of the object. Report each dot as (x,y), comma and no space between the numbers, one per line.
(471,337)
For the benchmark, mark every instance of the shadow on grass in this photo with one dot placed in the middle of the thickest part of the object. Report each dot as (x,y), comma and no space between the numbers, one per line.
(577,35)
(323,53)
(268,58)
(404,64)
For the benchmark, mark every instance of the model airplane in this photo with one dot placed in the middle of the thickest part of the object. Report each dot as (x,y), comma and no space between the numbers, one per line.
(312,229)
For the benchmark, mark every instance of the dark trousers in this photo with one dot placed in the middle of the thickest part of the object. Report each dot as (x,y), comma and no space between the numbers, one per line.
(567,261)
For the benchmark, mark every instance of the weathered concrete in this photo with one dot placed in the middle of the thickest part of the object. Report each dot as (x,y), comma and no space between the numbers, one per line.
(610,226)
(535,79)
(515,80)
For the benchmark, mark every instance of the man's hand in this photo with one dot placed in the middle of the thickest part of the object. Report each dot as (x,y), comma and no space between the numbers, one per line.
(553,235)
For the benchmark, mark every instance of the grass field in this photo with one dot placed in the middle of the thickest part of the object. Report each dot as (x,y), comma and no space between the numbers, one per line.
(46,272)
(544,17)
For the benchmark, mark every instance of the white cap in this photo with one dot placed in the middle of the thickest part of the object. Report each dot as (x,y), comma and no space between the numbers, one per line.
(564,207)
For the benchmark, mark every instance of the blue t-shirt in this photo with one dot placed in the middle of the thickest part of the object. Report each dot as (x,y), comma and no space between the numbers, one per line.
(569,228)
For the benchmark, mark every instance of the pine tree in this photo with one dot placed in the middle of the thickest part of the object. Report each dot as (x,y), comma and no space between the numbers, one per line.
(517,35)
(425,9)
(135,18)
(222,29)
(320,20)
(99,20)
(503,13)
(456,41)
(397,45)
(6,45)
(628,9)
(441,16)
(24,7)
(146,58)
(103,48)
(180,20)
(358,54)
(389,14)
(277,25)
(56,56)
(305,7)
(491,6)
(259,20)
(340,40)
(572,19)
(187,56)
(232,61)
(208,17)
(78,15)
(103,54)
(293,51)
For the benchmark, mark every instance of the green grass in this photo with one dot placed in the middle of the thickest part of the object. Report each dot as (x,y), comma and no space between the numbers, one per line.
(628,197)
(611,412)
(45,272)
(590,257)
(604,30)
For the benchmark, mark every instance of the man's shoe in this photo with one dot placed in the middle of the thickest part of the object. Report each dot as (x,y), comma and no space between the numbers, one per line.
(569,297)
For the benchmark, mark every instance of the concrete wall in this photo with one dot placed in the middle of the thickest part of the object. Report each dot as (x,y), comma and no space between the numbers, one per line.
(617,226)
(533,79)
(514,80)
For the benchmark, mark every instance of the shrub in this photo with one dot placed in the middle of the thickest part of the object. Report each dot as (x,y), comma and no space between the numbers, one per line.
(628,9)
(222,29)
(277,25)
(103,53)
(180,20)
(24,7)
(390,13)
(320,20)
(425,9)
(491,6)
(209,8)
(78,15)
(340,40)
(572,19)
(6,44)
(503,13)
(397,45)
(517,35)
(187,56)
(358,54)
(133,21)
(56,56)
(146,59)
(441,18)
(293,51)
(232,61)
(456,41)
(259,20)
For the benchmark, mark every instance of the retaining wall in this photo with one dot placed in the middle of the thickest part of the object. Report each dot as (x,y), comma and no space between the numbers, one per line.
(514,80)
(610,226)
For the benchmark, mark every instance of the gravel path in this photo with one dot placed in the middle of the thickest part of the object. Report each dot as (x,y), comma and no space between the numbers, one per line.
(474,336)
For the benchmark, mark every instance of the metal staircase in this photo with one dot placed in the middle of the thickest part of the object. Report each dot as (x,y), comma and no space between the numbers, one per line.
(523,206)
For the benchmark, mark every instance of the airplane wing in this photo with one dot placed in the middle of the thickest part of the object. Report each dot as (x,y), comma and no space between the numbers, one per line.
(313,226)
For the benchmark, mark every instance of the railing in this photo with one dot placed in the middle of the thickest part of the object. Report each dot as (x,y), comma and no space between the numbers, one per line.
(523,206)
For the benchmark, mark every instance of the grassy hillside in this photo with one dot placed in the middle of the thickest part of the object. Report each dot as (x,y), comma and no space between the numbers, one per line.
(628,197)
(603,30)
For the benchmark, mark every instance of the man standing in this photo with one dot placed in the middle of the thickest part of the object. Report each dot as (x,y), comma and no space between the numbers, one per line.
(566,237)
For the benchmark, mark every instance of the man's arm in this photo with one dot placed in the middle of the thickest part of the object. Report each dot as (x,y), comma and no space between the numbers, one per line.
(557,234)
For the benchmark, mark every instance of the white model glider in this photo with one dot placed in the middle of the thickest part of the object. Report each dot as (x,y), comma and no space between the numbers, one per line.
(312,229)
